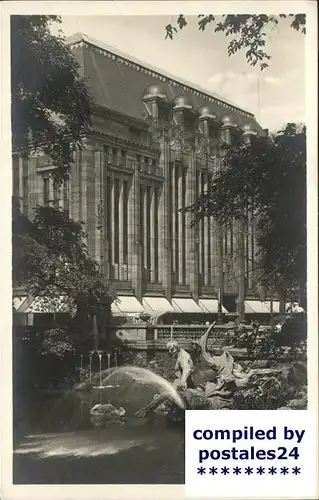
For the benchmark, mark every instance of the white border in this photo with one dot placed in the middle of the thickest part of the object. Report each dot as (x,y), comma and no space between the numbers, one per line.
(9,491)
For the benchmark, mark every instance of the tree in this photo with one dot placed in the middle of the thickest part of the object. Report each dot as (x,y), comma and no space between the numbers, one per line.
(268,179)
(51,106)
(51,260)
(246,32)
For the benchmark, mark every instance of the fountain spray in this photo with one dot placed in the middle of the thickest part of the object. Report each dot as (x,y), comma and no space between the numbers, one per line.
(90,358)
(100,365)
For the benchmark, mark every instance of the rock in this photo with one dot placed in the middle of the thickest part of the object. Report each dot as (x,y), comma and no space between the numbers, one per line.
(298,373)
(83,387)
(101,414)
(296,404)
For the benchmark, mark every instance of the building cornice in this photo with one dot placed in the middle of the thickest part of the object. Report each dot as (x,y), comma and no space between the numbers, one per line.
(120,141)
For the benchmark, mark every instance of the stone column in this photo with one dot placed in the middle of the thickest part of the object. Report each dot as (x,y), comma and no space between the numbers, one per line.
(152,234)
(145,228)
(75,187)
(245,240)
(174,218)
(106,215)
(165,211)
(99,207)
(113,229)
(51,191)
(135,218)
(214,253)
(192,231)
(241,250)
(206,240)
(88,200)
(222,275)
(21,173)
(200,232)
(121,229)
(181,243)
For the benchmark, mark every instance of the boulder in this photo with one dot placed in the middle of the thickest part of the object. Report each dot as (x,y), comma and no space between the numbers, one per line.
(101,414)
(296,404)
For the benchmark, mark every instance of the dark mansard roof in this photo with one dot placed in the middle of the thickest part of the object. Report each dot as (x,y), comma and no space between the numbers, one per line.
(119,82)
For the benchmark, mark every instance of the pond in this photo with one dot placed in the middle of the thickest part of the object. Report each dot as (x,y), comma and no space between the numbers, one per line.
(55,442)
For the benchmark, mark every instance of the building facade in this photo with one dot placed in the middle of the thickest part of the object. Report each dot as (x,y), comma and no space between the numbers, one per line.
(154,146)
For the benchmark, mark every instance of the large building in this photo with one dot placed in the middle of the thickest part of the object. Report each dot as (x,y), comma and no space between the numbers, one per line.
(154,145)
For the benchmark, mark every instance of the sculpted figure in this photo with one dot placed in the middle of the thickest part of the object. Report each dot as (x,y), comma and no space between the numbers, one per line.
(184,366)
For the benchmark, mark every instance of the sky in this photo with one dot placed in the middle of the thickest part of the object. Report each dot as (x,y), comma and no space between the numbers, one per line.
(201,58)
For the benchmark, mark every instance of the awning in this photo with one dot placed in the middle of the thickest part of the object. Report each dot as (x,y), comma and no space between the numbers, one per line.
(128,305)
(157,305)
(115,309)
(255,307)
(49,305)
(210,306)
(275,306)
(186,306)
(17,302)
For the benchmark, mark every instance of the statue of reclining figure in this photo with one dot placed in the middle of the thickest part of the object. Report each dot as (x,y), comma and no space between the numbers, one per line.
(217,396)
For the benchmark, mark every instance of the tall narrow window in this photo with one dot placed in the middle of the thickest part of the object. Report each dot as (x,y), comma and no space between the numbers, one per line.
(231,233)
(176,235)
(226,235)
(55,196)
(184,228)
(142,224)
(123,158)
(106,155)
(114,158)
(66,195)
(156,232)
(148,227)
(46,190)
(110,215)
(154,167)
(125,220)
(25,187)
(116,220)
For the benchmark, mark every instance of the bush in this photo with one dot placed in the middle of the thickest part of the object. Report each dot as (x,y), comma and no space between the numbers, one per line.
(55,342)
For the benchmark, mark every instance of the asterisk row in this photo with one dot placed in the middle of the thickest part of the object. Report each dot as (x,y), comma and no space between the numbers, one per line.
(249,470)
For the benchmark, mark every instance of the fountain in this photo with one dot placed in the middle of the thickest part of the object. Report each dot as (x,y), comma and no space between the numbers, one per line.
(96,379)
(100,353)
(90,361)
(145,377)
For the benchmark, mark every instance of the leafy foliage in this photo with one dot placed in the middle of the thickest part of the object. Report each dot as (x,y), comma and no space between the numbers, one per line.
(287,390)
(273,344)
(50,259)
(268,178)
(51,106)
(246,31)
(55,342)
